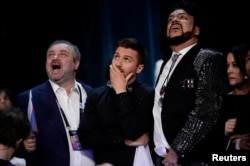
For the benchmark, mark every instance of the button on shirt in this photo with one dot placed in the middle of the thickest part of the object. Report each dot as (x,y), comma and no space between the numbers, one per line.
(161,144)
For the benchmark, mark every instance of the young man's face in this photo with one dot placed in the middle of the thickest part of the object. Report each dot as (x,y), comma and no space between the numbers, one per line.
(126,60)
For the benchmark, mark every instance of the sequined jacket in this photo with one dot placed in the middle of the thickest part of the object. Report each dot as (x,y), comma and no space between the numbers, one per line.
(192,100)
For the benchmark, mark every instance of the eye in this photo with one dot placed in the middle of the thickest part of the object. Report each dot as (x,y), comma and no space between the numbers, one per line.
(62,55)
(116,56)
(183,17)
(127,59)
(247,59)
(235,65)
(170,19)
(50,55)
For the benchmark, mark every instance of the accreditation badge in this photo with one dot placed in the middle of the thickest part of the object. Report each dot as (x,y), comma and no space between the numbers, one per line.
(76,145)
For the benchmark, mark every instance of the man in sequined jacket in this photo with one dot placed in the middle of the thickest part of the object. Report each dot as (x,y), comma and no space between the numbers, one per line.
(189,95)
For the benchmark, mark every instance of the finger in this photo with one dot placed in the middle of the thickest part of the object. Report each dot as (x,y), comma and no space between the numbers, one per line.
(129,76)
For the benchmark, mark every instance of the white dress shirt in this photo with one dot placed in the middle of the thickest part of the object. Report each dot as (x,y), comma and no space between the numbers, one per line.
(70,105)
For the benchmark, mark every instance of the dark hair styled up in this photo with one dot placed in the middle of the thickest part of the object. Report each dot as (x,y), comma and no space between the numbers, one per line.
(192,9)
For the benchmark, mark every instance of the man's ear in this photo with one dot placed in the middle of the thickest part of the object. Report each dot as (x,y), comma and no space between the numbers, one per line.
(139,68)
(196,30)
(77,63)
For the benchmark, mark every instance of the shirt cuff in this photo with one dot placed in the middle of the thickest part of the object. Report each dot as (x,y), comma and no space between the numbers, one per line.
(237,144)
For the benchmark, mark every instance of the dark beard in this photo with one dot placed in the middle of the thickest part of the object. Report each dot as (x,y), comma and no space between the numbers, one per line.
(180,39)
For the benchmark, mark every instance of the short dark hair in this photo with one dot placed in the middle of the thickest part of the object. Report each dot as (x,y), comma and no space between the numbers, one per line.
(13,126)
(136,45)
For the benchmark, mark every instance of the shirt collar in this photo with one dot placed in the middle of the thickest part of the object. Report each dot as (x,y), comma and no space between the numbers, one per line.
(56,87)
(185,50)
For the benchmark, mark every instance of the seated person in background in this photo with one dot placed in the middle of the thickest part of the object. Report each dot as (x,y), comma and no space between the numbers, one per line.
(5,98)
(236,107)
(6,102)
(14,128)
(118,116)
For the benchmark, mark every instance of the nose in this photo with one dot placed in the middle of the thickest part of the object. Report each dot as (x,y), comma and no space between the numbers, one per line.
(174,20)
(55,56)
(118,62)
(229,70)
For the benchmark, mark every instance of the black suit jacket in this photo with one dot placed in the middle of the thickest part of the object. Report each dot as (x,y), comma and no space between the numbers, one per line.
(192,100)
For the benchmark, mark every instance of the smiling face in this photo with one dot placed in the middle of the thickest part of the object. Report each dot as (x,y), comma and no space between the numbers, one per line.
(61,64)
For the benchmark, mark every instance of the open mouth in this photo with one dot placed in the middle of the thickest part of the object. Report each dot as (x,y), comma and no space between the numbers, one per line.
(175,27)
(54,67)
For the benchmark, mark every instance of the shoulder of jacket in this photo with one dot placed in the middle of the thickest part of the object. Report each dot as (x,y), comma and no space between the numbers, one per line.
(208,56)
(210,51)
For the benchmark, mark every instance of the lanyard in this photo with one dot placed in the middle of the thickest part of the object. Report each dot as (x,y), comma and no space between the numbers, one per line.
(63,114)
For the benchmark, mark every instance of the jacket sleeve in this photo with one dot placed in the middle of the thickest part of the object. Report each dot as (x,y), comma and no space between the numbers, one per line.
(210,90)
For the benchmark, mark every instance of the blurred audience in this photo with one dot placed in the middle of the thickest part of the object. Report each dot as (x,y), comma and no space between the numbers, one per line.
(5,98)
(29,143)
(236,107)
(14,128)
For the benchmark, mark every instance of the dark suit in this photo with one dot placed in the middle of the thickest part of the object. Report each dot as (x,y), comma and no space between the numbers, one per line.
(192,100)
(52,144)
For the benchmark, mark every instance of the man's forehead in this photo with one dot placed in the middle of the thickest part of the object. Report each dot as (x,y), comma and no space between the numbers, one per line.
(178,11)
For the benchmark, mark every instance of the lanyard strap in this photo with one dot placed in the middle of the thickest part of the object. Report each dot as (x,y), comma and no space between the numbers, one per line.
(61,110)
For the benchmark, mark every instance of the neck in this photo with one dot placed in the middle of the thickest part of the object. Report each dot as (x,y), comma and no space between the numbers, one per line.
(243,90)
(66,85)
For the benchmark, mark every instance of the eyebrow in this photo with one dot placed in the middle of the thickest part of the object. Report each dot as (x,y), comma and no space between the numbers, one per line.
(51,51)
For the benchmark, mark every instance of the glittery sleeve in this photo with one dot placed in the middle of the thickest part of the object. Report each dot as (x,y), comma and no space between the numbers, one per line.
(209,96)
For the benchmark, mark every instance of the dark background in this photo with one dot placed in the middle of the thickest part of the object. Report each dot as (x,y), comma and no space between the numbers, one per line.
(95,26)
